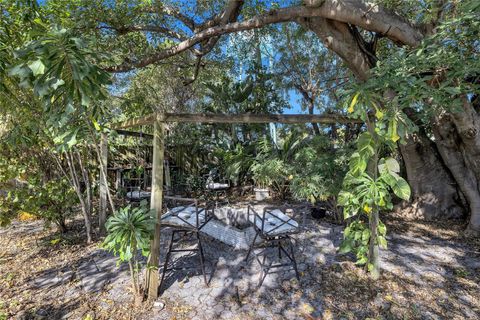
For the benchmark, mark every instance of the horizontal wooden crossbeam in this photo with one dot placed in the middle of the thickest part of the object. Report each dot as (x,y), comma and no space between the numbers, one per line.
(236,118)
(134,134)
(135,122)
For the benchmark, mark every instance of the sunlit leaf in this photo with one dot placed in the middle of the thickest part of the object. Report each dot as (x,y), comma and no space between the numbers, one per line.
(37,67)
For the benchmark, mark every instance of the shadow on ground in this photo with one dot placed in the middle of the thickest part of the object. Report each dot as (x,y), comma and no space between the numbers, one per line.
(428,273)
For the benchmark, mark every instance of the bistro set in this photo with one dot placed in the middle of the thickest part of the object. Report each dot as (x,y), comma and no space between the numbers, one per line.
(187,220)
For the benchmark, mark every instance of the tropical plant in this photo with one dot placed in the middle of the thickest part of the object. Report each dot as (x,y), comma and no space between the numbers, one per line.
(436,86)
(236,162)
(318,172)
(271,173)
(369,181)
(129,230)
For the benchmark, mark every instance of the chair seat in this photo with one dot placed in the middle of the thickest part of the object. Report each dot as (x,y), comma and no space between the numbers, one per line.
(184,217)
(276,223)
(217,186)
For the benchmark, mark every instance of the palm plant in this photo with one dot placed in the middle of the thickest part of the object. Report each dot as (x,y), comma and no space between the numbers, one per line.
(130,229)
(236,162)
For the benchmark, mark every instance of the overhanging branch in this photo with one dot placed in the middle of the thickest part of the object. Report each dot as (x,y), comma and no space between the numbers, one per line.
(354,12)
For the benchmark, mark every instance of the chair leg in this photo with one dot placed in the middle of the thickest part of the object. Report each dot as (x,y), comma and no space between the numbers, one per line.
(264,269)
(251,247)
(294,261)
(167,258)
(202,258)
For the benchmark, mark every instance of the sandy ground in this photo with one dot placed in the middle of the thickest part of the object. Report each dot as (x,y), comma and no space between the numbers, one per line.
(429,272)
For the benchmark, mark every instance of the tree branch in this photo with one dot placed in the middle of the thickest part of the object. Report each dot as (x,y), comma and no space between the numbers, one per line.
(146,28)
(171,11)
(353,12)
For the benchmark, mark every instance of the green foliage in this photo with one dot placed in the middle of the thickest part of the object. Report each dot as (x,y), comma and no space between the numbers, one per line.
(436,76)
(308,168)
(236,163)
(318,170)
(368,185)
(364,192)
(357,237)
(31,183)
(130,229)
(270,173)
(432,79)
(58,67)
(272,167)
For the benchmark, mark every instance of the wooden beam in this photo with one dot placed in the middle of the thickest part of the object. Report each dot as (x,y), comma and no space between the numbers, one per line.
(239,118)
(150,119)
(103,186)
(152,276)
(257,118)
(134,134)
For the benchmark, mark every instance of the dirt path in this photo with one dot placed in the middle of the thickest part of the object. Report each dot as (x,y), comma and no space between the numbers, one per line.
(428,273)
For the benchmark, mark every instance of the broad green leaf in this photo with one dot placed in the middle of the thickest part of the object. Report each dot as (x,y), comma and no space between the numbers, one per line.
(382,242)
(402,189)
(357,235)
(19,71)
(365,235)
(362,260)
(379,114)
(57,83)
(346,246)
(392,130)
(37,67)
(392,165)
(382,229)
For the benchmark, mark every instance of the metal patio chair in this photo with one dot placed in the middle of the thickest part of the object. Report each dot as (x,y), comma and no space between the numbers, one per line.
(185,218)
(274,228)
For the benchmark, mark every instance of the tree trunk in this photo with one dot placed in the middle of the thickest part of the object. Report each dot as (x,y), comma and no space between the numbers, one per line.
(373,218)
(467,123)
(434,191)
(84,203)
(316,129)
(62,226)
(450,146)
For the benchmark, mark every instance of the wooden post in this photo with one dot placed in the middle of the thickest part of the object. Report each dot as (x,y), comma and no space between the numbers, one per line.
(168,181)
(118,180)
(152,276)
(102,215)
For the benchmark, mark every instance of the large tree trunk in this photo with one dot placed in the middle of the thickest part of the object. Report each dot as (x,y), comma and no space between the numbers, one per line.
(434,191)
(467,124)
(456,144)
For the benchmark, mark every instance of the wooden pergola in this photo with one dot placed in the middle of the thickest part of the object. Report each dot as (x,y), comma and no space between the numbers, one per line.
(159,120)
